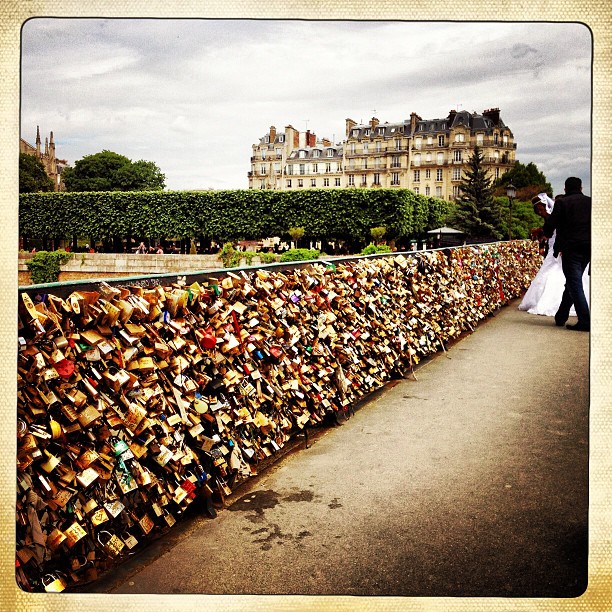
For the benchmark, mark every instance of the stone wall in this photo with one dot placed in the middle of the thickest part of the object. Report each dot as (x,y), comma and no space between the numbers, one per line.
(114,265)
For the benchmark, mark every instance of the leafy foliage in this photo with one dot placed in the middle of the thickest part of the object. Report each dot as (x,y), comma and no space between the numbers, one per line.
(300,255)
(44,267)
(477,212)
(229,256)
(32,175)
(523,218)
(325,214)
(376,248)
(527,179)
(296,233)
(109,171)
(378,232)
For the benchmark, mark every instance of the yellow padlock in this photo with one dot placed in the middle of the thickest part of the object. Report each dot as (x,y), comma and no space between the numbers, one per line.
(54,583)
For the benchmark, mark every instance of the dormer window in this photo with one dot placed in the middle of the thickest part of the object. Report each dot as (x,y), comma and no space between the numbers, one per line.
(302,154)
(316,153)
(281,138)
(381,131)
(355,133)
(367,131)
(330,152)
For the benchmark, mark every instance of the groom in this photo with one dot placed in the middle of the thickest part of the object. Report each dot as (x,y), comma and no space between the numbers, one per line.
(571,217)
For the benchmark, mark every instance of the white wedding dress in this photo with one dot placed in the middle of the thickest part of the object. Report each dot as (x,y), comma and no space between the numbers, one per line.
(544,294)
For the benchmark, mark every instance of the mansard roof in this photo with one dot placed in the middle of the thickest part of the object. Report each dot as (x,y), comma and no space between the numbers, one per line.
(386,130)
(294,155)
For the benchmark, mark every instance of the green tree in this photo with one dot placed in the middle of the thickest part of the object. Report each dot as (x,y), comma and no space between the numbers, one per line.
(32,175)
(109,171)
(477,212)
(527,179)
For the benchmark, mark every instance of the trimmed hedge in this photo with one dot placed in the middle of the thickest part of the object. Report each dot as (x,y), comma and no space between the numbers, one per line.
(229,215)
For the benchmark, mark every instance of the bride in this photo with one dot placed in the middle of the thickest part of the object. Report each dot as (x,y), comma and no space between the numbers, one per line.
(546,290)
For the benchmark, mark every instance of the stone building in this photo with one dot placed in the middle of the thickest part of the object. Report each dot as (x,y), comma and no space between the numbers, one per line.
(53,166)
(428,156)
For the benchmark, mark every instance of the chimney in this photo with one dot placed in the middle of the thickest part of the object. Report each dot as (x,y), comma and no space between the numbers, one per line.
(272,134)
(451,118)
(350,124)
(492,114)
(311,139)
(414,119)
(374,122)
(326,142)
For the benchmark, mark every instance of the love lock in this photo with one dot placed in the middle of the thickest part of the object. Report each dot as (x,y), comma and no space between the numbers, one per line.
(113,544)
(54,583)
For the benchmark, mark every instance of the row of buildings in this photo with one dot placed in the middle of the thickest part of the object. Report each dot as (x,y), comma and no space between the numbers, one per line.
(53,166)
(428,156)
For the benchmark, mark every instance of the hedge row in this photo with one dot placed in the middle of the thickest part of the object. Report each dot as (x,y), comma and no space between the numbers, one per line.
(229,215)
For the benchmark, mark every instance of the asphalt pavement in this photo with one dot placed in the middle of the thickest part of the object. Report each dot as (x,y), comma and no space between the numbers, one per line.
(468,479)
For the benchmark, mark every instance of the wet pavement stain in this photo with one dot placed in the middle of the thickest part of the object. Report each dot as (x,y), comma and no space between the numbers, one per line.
(258,501)
(301,496)
(334,504)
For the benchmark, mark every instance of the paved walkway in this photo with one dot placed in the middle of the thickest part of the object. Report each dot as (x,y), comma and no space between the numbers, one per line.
(469,481)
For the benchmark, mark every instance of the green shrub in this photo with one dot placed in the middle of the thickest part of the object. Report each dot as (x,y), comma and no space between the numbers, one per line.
(377,233)
(268,258)
(300,255)
(229,256)
(376,248)
(44,267)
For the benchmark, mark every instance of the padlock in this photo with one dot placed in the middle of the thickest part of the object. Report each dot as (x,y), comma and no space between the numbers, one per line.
(54,583)
(111,543)
(129,540)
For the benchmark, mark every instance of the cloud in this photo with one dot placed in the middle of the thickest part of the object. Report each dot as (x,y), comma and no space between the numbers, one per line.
(194,95)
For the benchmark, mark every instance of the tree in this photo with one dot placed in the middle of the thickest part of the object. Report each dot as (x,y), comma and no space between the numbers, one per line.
(32,175)
(477,212)
(108,171)
(527,179)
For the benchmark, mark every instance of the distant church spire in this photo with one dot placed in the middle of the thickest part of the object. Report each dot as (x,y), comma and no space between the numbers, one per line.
(37,141)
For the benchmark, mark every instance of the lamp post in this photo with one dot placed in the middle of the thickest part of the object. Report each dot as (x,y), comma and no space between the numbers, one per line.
(511,193)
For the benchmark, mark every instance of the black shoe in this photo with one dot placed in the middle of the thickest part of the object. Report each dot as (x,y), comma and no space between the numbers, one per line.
(559,323)
(579,327)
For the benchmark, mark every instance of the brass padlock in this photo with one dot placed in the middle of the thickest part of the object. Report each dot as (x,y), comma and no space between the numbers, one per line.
(54,583)
(111,543)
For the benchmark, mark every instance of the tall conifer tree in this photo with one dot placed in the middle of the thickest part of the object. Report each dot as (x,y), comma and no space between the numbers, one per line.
(477,213)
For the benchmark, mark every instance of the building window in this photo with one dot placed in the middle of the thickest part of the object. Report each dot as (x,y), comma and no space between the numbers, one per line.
(337,181)
(398,144)
(459,137)
(330,152)
(417,143)
(496,173)
(417,159)
(313,182)
(300,182)
(262,169)
(263,154)
(326,182)
(456,174)
(429,140)
(355,133)
(302,168)
(496,138)
(417,175)
(365,148)
(277,168)
(427,174)
(316,153)
(438,192)
(505,140)
(440,141)
(327,167)
(440,159)
(351,180)
(427,190)
(302,154)
(428,157)
(395,178)
(438,175)
(379,146)
(352,148)
(288,183)
(315,168)
(365,163)
(456,191)
(381,131)
(457,156)
(279,152)
(416,190)
(480,139)
(364,179)
(290,169)
(262,185)
(281,138)
(377,178)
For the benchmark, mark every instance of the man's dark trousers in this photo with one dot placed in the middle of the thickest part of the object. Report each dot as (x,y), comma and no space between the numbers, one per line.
(574,264)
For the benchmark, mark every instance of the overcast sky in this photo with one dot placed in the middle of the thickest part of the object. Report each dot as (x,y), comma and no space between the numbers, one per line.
(194,95)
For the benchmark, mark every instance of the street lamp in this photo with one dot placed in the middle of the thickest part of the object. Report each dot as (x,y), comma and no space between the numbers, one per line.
(511,193)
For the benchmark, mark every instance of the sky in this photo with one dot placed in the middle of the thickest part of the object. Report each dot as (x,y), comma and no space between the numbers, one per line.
(193,96)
